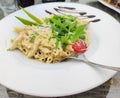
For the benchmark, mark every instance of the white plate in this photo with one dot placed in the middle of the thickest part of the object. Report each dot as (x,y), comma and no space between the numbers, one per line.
(110,6)
(35,78)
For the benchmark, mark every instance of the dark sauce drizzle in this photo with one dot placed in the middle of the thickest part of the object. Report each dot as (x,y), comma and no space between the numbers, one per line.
(95,20)
(82,13)
(70,8)
(49,12)
(61,9)
(69,11)
(88,16)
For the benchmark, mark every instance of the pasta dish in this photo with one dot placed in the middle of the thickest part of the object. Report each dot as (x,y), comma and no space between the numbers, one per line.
(51,40)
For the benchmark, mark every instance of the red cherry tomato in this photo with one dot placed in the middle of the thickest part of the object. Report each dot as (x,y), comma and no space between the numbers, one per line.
(79,46)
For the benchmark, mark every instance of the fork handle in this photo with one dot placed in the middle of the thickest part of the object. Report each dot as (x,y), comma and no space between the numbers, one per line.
(103,66)
(96,64)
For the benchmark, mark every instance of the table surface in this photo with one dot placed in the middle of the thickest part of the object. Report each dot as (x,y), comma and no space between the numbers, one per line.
(110,89)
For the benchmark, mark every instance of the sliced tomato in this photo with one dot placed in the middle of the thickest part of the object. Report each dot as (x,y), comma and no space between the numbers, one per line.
(79,46)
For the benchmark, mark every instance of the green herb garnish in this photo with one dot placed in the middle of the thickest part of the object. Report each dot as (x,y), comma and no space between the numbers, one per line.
(12,40)
(79,33)
(33,36)
(67,28)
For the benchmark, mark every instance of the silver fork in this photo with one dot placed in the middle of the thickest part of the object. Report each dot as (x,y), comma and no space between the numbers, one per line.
(85,60)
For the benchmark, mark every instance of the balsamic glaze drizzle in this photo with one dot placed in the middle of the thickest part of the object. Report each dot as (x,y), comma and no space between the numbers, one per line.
(70,8)
(73,9)
(95,20)
(90,16)
(49,12)
(61,10)
(82,13)
(70,11)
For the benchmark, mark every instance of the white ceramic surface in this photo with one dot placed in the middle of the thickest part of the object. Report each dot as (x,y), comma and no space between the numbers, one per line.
(35,78)
(110,6)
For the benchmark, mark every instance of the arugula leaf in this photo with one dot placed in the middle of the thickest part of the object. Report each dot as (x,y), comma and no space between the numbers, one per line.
(57,43)
(58,26)
(78,32)
(73,26)
(82,36)
(67,28)
(66,39)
